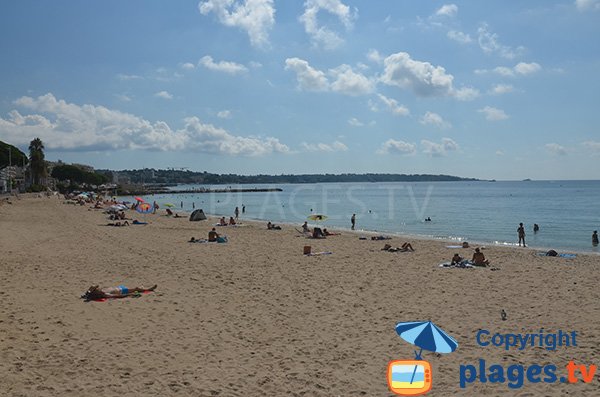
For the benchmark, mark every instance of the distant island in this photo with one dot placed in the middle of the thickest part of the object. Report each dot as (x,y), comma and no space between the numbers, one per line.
(181,176)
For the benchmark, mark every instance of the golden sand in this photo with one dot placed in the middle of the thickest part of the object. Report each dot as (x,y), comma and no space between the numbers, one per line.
(255,317)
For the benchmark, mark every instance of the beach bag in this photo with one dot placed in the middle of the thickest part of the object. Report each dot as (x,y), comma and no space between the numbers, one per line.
(307,250)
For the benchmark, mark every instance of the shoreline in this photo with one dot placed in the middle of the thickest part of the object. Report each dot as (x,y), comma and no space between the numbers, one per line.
(405,236)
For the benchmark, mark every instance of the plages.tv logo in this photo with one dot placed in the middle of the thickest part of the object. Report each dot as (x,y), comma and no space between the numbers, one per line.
(414,377)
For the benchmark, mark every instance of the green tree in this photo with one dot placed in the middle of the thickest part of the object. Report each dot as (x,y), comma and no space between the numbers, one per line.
(37,161)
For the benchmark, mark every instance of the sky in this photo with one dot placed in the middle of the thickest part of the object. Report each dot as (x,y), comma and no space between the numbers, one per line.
(491,89)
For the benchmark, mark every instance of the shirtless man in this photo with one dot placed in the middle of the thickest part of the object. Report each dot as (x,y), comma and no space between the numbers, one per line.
(479,258)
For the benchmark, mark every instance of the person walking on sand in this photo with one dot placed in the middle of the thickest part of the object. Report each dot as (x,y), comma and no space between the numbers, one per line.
(237,212)
(353,221)
(521,232)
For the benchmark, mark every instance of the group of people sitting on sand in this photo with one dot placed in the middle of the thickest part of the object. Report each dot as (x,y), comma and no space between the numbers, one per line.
(213,237)
(477,260)
(117,215)
(223,221)
(317,232)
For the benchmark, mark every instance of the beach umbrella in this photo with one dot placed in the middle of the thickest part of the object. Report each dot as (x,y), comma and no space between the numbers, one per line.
(426,335)
(317,217)
(144,208)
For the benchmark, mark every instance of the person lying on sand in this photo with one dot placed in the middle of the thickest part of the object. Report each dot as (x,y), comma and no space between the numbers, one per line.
(405,248)
(271,226)
(328,233)
(479,258)
(95,292)
(380,238)
(118,224)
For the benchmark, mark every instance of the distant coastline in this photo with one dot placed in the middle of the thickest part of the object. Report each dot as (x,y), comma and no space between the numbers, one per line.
(183,176)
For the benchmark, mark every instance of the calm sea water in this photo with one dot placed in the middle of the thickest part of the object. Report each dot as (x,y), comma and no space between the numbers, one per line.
(485,212)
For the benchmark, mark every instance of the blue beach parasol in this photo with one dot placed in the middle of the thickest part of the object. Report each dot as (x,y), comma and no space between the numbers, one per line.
(426,335)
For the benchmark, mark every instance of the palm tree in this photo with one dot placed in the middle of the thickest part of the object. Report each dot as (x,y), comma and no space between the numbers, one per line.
(37,162)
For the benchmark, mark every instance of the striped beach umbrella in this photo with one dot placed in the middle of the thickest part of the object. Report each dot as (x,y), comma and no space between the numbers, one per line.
(144,208)
(426,335)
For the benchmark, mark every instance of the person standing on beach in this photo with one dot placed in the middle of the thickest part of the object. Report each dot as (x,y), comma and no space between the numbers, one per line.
(353,221)
(243,209)
(521,232)
(595,238)
(237,212)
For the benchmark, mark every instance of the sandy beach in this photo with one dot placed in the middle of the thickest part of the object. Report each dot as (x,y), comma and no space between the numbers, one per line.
(255,317)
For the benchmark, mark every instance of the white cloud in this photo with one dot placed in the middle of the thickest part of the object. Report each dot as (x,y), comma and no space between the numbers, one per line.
(222,66)
(224,114)
(489,43)
(585,5)
(493,114)
(460,37)
(320,35)
(466,93)
(555,148)
(393,146)
(448,10)
(308,78)
(594,146)
(499,153)
(355,122)
(188,66)
(336,146)
(439,149)
(125,77)
(500,89)
(123,97)
(527,68)
(422,78)
(348,82)
(374,56)
(256,17)
(434,119)
(163,95)
(393,106)
(68,126)
(521,68)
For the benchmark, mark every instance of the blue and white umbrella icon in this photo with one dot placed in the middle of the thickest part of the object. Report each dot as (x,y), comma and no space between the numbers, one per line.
(426,335)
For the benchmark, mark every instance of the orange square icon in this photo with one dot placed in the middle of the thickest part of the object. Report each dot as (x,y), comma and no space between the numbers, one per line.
(409,377)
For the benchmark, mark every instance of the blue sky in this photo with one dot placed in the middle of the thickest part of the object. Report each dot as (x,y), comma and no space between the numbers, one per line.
(486,89)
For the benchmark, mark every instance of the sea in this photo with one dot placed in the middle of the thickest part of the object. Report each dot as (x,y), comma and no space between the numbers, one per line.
(479,212)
